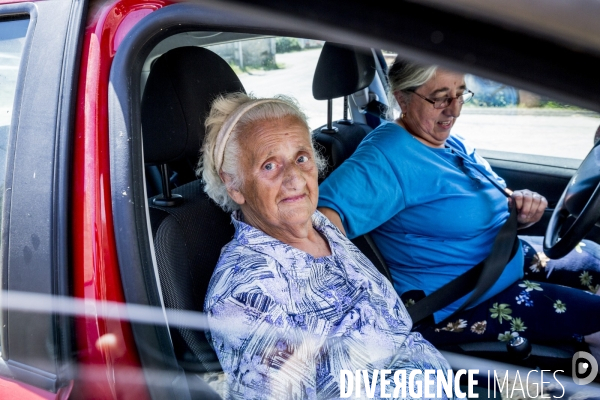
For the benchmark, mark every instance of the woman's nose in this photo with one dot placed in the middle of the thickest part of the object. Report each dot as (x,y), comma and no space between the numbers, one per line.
(454,108)
(292,174)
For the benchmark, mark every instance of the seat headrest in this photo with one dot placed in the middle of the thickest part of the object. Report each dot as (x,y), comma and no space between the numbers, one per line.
(342,70)
(181,86)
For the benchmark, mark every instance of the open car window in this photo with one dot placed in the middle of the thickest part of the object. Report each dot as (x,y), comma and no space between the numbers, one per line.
(499,118)
(272,66)
(504,118)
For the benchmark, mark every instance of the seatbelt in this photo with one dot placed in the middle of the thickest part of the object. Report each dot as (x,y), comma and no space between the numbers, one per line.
(482,276)
(376,109)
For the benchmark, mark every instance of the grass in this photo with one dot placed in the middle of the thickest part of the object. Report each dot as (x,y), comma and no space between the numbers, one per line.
(557,105)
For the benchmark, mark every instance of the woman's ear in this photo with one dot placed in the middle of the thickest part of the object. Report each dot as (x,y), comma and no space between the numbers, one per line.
(402,100)
(234,193)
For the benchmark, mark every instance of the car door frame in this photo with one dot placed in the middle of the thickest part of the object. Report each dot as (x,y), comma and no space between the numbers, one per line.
(37,345)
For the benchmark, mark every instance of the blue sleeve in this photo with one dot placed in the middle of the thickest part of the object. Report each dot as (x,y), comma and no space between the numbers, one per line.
(364,191)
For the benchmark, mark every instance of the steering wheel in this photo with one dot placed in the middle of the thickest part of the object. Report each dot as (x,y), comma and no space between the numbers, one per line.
(580,199)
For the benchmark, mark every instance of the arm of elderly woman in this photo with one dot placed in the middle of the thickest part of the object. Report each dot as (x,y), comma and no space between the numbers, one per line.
(530,207)
(267,352)
(262,349)
(368,171)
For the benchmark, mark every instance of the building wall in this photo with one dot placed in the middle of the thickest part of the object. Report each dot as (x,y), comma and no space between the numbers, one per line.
(248,53)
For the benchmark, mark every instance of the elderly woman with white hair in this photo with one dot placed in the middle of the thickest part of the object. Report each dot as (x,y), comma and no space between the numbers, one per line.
(434,208)
(292,302)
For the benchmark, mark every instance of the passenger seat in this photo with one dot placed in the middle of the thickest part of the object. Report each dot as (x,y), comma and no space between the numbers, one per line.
(188,228)
(341,71)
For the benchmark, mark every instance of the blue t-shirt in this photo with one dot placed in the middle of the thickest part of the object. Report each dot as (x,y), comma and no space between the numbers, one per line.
(432,215)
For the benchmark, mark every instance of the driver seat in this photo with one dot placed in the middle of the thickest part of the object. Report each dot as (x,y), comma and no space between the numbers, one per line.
(342,71)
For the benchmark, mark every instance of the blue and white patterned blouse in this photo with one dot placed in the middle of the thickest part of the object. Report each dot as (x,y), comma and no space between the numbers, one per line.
(284,323)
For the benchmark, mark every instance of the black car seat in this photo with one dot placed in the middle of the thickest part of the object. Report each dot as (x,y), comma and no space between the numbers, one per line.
(188,228)
(341,71)
(165,119)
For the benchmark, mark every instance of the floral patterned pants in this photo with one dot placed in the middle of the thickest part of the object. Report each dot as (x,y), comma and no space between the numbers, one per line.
(555,302)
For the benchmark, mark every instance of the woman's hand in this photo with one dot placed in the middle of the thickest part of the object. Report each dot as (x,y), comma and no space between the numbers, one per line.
(530,207)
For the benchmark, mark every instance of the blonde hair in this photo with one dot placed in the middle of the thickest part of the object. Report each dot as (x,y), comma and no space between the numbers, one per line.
(224,107)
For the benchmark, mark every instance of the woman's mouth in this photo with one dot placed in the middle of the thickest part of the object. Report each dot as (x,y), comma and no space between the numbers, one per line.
(293,198)
(445,124)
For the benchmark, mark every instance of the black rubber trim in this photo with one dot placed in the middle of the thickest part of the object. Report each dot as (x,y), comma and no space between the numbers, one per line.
(61,225)
(16,11)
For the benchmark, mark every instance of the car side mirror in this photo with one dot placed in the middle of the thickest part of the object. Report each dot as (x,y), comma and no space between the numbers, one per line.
(597,136)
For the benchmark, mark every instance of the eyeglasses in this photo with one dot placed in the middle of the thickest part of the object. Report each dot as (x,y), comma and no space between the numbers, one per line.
(444,102)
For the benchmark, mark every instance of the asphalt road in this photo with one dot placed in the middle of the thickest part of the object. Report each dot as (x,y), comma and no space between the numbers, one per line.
(551,132)
(559,133)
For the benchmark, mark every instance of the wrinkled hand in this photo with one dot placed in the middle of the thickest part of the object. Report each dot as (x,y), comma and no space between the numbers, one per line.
(530,207)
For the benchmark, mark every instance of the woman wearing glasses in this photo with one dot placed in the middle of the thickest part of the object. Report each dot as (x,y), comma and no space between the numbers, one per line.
(421,193)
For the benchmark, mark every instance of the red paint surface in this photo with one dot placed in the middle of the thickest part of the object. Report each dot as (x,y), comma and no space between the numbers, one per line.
(104,372)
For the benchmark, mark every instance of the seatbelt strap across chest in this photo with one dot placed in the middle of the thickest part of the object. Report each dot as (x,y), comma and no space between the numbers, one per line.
(481,277)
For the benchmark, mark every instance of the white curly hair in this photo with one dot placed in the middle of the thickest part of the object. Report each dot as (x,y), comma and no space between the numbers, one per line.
(221,109)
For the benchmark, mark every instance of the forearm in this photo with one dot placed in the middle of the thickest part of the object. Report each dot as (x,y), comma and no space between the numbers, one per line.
(524,225)
(263,356)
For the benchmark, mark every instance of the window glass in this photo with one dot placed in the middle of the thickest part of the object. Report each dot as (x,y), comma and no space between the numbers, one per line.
(504,118)
(12,38)
(272,66)
(500,117)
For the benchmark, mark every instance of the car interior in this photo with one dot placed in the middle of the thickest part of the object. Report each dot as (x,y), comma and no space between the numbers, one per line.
(179,79)
(188,228)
